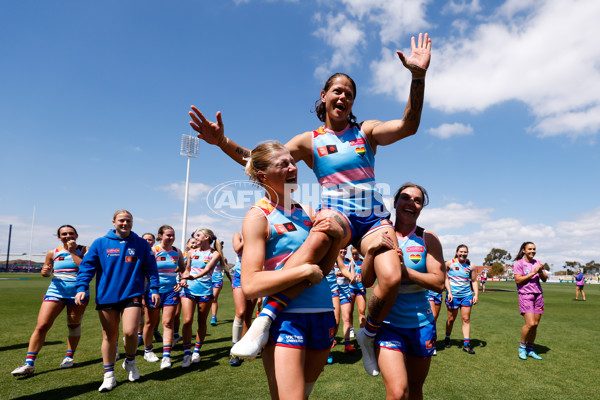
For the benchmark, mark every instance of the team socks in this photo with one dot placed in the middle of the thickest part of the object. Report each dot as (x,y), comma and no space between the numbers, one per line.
(70,353)
(30,359)
(140,336)
(187,349)
(197,347)
(109,368)
(148,349)
(528,346)
(273,305)
(466,342)
(167,350)
(522,346)
(129,358)
(371,327)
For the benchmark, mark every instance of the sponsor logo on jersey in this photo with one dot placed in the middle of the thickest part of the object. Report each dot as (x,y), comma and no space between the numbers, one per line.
(131,259)
(161,258)
(113,252)
(325,150)
(358,141)
(307,223)
(416,249)
(284,228)
(60,259)
(131,252)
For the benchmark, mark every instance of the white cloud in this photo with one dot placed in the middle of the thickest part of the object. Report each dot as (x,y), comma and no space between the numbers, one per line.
(178,189)
(463,6)
(524,53)
(345,30)
(345,36)
(446,131)
(453,216)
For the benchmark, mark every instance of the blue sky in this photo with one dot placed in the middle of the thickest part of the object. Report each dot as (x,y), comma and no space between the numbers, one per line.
(95,95)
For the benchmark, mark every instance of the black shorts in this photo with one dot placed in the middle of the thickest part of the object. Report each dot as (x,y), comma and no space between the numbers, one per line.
(121,305)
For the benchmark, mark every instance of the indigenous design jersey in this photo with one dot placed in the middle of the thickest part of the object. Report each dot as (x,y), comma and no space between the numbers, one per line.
(344,164)
(459,277)
(64,274)
(411,308)
(341,279)
(217,274)
(288,229)
(357,271)
(201,286)
(238,263)
(166,261)
(524,267)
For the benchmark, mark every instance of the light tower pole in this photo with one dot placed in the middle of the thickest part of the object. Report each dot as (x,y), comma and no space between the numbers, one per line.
(189,148)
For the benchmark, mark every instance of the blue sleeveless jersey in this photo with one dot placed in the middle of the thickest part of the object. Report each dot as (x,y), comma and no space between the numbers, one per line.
(217,275)
(288,229)
(344,164)
(459,277)
(411,308)
(357,271)
(201,286)
(238,263)
(166,261)
(64,274)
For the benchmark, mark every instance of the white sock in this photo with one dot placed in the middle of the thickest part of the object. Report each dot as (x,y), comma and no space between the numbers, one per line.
(236,330)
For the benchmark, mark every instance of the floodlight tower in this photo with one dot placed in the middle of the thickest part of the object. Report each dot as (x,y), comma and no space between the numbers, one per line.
(189,148)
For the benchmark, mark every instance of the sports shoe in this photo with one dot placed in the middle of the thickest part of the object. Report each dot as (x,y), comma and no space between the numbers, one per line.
(187,361)
(330,359)
(235,361)
(117,355)
(165,363)
(367,346)
(150,356)
(257,313)
(254,340)
(67,362)
(213,321)
(349,349)
(467,348)
(434,352)
(533,355)
(522,354)
(352,335)
(334,343)
(447,343)
(176,338)
(131,368)
(195,358)
(110,382)
(23,370)
(157,336)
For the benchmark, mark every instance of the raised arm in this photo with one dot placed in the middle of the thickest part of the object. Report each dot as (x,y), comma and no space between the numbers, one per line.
(214,133)
(385,133)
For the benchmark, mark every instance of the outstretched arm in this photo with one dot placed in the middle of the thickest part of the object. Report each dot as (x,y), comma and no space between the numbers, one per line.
(214,133)
(385,133)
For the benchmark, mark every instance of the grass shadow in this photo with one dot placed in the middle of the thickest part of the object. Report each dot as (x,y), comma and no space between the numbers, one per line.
(26,345)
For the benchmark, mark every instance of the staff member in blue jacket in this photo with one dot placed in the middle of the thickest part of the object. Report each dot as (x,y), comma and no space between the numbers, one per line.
(121,261)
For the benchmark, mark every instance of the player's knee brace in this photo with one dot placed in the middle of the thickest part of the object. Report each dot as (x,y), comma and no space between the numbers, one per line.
(74,330)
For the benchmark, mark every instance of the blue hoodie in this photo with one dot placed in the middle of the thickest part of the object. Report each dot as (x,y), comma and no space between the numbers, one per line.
(121,267)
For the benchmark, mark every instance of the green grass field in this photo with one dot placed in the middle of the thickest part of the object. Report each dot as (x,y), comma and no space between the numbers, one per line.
(567,339)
